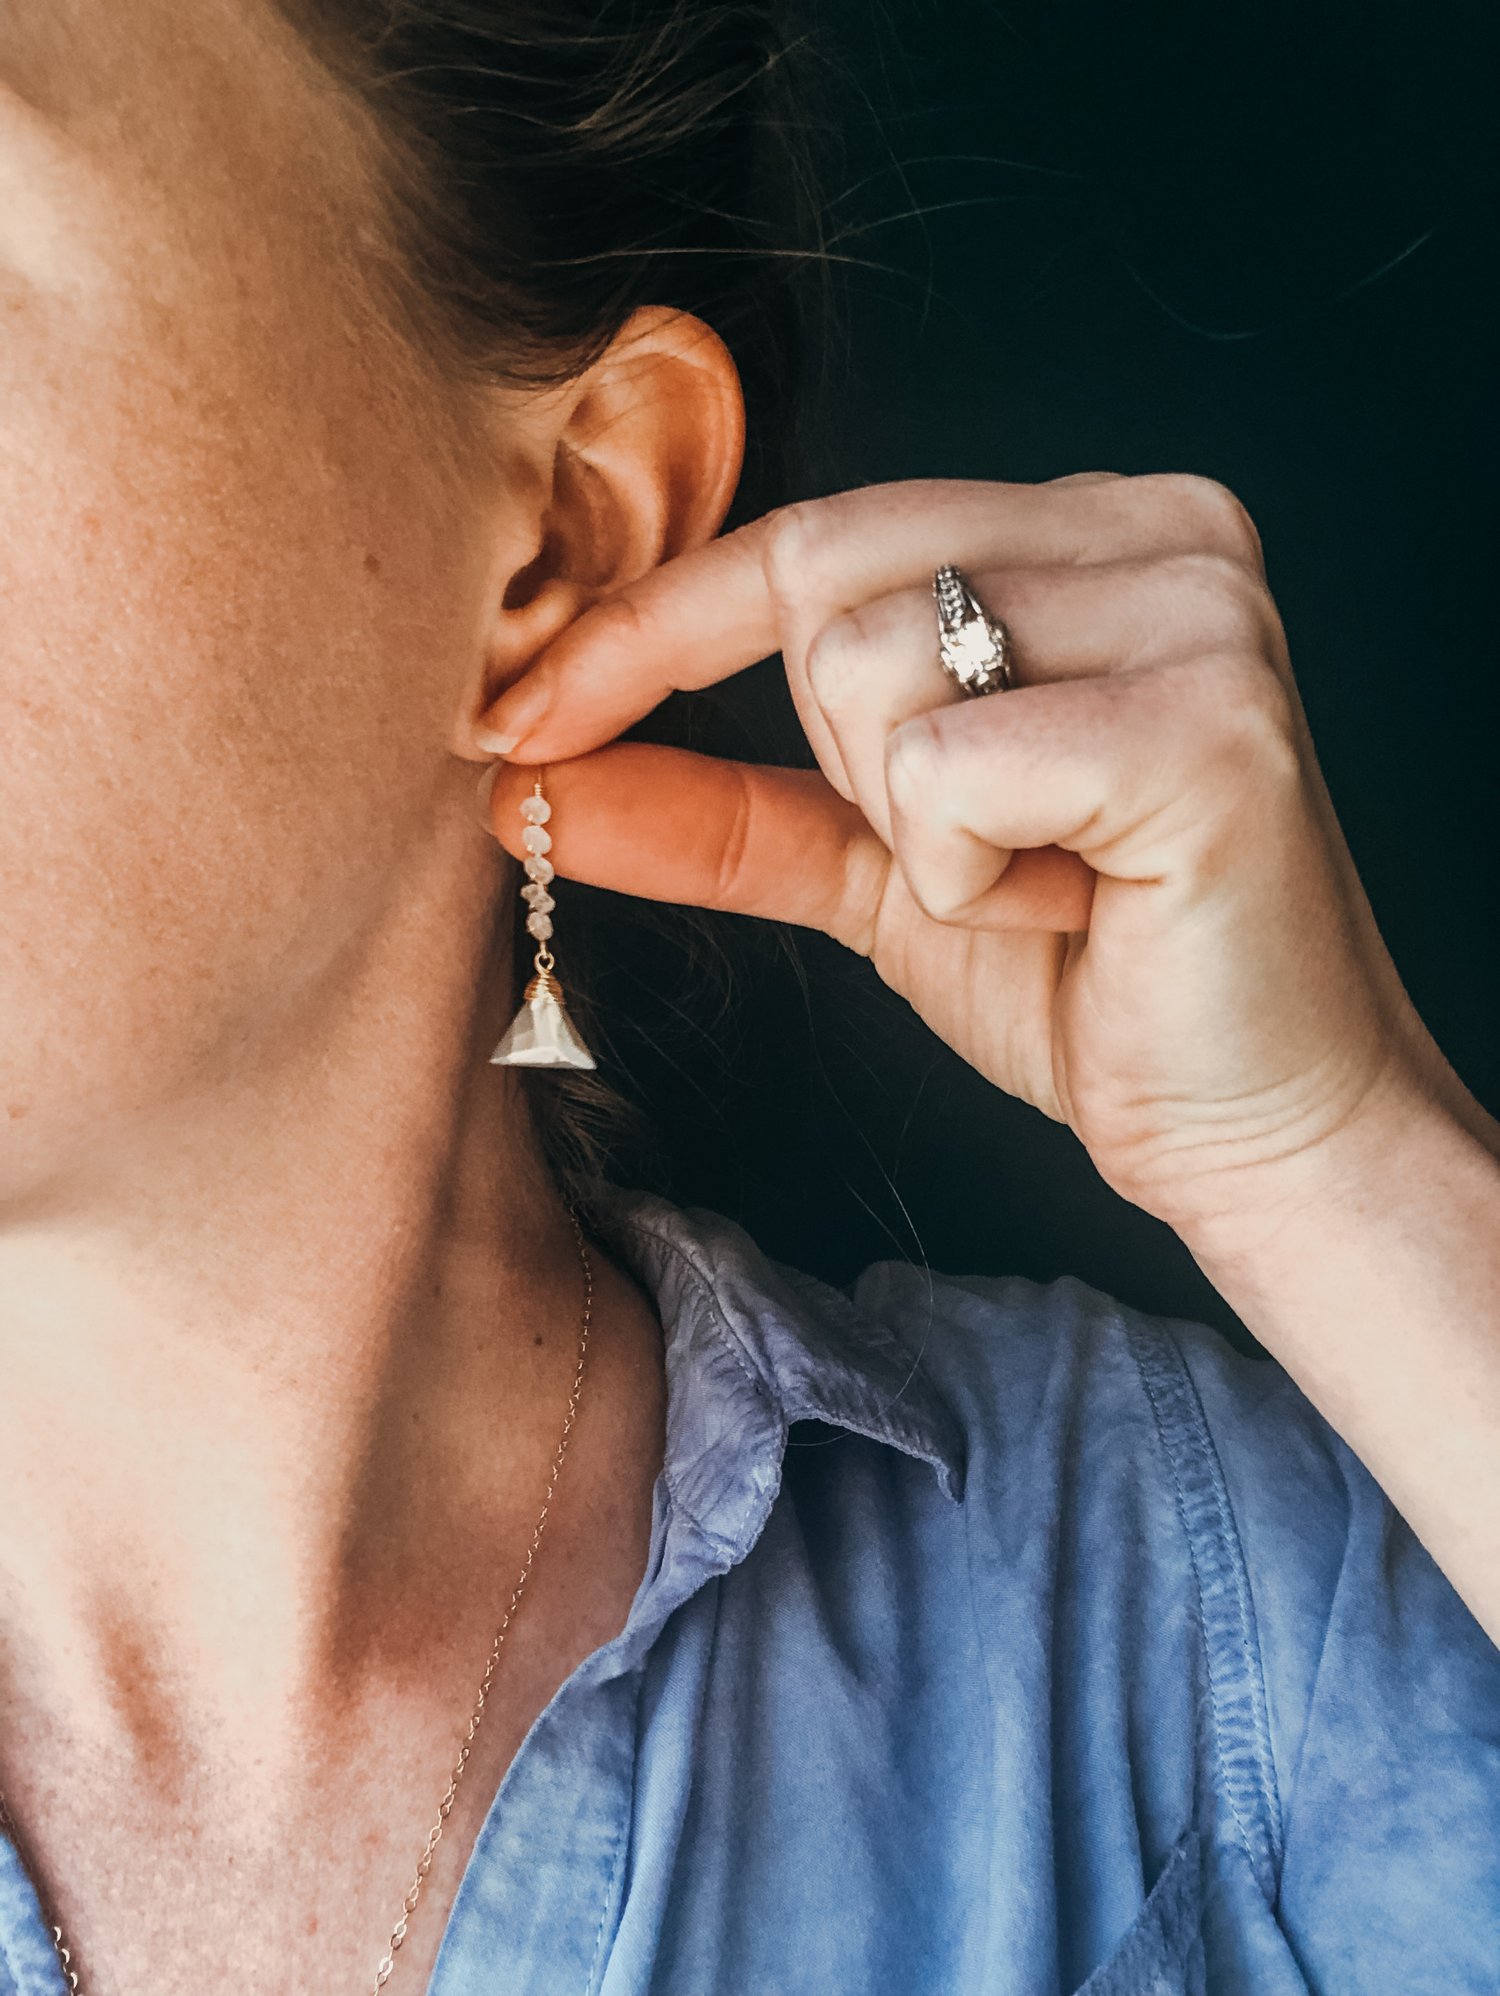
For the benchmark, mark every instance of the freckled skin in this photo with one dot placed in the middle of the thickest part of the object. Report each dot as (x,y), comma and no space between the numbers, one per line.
(273,1238)
(240,561)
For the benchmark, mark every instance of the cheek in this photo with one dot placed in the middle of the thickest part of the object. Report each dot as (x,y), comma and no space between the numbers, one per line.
(230,624)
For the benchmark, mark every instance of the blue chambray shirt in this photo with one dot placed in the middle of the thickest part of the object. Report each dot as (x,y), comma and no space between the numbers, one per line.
(995,1639)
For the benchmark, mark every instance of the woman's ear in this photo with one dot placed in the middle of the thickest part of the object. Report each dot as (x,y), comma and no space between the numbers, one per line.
(636,460)
(652,448)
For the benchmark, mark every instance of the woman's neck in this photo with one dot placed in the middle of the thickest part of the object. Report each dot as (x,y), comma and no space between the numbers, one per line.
(277,1379)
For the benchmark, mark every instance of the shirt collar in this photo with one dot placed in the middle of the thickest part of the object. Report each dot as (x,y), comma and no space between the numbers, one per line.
(753,1345)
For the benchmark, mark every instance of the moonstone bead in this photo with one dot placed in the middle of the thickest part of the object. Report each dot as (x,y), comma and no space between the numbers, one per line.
(538,896)
(539,868)
(540,925)
(536,838)
(535,810)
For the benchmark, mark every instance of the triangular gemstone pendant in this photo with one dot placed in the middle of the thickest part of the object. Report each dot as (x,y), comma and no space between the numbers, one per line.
(541,1034)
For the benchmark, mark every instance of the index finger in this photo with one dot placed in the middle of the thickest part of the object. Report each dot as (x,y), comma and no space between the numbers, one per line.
(771,584)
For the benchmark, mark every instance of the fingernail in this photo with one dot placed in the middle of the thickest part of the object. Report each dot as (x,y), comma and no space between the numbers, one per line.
(519,711)
(486,785)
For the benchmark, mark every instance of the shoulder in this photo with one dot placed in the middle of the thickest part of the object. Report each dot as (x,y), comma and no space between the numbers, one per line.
(1119,1394)
(1256,1474)
(1343,1669)
(1248,1457)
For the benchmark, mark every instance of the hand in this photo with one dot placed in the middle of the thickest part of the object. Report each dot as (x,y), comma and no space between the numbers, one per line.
(1119,890)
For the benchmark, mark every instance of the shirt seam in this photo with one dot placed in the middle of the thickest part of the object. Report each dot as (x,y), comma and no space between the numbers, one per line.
(1223,1604)
(617,1848)
(8,1963)
(1314,1697)
(984,1663)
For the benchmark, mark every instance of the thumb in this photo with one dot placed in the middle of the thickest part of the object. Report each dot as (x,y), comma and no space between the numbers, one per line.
(669,824)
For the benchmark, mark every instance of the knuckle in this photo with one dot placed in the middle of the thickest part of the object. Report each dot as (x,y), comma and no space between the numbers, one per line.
(1087,478)
(1250,714)
(913,760)
(863,880)
(619,621)
(1218,515)
(936,899)
(837,658)
(1218,599)
(730,860)
(789,552)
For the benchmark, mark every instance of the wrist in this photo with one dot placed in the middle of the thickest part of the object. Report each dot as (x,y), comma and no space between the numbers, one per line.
(1372,1275)
(1403,1148)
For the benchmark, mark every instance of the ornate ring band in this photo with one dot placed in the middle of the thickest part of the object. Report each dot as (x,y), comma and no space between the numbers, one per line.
(974,648)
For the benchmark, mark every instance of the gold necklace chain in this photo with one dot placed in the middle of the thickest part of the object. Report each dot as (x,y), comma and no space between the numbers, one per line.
(424,1862)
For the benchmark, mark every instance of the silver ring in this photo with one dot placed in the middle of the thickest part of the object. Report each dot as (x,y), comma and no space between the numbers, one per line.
(974,648)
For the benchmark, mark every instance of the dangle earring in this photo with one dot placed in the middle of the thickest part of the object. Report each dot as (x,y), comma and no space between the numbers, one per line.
(541,1034)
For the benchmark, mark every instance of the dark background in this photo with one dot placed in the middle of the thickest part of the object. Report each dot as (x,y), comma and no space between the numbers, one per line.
(1254,242)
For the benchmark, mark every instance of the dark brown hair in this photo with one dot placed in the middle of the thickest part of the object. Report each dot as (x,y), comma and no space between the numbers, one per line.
(549,166)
